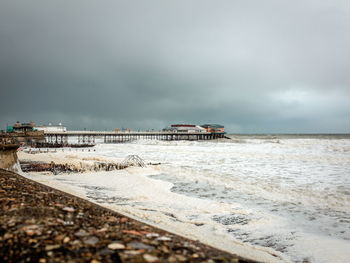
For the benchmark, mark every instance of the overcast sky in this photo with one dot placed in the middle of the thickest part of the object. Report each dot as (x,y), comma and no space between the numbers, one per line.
(253,66)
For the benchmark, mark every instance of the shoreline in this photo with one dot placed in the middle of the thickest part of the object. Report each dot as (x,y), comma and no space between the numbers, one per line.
(43,223)
(262,254)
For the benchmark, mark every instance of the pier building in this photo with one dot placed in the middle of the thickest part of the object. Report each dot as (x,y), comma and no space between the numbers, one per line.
(184,128)
(214,128)
(52,128)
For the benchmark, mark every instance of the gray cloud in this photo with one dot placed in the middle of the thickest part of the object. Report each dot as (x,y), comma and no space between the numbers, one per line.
(254,66)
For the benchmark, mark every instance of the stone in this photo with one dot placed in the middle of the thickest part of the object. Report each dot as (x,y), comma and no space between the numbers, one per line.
(81,233)
(59,237)
(115,246)
(32,230)
(123,220)
(68,209)
(51,247)
(150,258)
(150,235)
(106,251)
(112,219)
(180,258)
(139,245)
(76,243)
(132,252)
(91,241)
(8,236)
(164,238)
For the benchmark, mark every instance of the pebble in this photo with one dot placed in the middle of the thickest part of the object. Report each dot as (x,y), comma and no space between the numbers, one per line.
(123,220)
(115,246)
(32,230)
(139,245)
(51,247)
(180,258)
(68,209)
(150,235)
(81,233)
(112,219)
(164,238)
(150,258)
(76,243)
(91,241)
(132,252)
(8,236)
(105,251)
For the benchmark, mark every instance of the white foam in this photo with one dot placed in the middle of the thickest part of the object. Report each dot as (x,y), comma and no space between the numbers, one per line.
(151,201)
(276,193)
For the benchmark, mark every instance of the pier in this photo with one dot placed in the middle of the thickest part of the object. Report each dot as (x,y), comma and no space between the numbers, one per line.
(119,137)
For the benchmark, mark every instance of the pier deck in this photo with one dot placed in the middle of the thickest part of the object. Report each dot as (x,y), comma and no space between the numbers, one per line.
(110,137)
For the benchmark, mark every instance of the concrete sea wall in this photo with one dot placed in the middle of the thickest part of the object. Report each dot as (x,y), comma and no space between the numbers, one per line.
(9,159)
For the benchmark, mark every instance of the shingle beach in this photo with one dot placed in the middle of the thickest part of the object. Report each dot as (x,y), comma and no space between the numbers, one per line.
(42,224)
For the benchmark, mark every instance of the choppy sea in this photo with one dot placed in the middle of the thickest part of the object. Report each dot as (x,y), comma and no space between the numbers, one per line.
(290,194)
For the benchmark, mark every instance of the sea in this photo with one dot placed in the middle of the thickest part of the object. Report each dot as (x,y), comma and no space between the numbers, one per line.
(288,195)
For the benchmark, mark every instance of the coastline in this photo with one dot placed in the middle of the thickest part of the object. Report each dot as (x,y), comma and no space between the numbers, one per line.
(144,216)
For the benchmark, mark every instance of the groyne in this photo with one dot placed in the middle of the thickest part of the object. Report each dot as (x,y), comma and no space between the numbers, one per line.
(69,164)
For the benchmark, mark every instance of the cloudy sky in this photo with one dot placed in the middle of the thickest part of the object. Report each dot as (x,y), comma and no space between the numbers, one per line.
(253,66)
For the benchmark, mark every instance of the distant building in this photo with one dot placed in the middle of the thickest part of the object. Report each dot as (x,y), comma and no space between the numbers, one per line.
(184,128)
(122,130)
(51,128)
(214,128)
(21,127)
(25,133)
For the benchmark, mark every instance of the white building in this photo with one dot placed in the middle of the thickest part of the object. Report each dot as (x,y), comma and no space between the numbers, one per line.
(51,128)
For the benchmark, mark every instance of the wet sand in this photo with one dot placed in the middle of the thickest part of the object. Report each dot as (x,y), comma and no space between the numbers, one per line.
(42,224)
